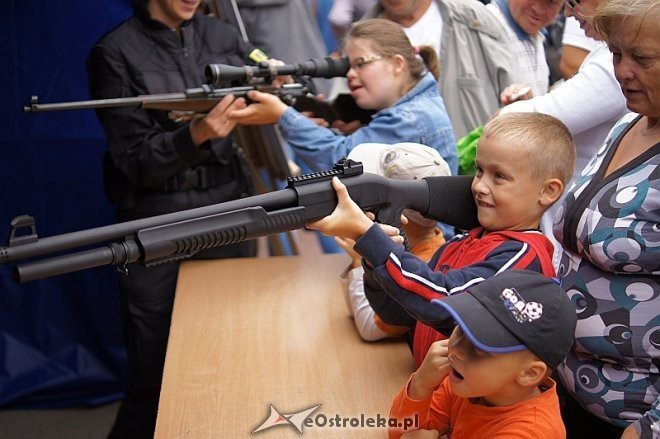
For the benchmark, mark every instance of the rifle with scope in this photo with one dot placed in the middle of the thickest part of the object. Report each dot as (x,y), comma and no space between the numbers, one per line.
(180,235)
(202,99)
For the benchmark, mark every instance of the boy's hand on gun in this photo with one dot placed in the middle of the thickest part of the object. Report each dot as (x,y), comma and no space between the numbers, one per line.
(433,370)
(348,220)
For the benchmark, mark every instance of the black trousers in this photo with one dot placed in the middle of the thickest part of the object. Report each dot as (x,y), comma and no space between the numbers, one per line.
(147,303)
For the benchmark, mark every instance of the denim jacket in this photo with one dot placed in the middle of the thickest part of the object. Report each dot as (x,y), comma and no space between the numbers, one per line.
(419,116)
(475,60)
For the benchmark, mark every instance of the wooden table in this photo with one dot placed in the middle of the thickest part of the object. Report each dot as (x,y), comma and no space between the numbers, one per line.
(250,333)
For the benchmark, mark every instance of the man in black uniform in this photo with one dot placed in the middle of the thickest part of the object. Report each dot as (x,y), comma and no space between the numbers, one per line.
(157,165)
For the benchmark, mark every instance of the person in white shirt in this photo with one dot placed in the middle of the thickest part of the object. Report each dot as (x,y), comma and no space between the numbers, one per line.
(425,31)
(576,45)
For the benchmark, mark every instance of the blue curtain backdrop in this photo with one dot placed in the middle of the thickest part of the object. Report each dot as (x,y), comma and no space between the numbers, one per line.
(60,338)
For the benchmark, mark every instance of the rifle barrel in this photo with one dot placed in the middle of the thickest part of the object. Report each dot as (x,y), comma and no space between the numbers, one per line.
(64,264)
(270,201)
(36,107)
(199,99)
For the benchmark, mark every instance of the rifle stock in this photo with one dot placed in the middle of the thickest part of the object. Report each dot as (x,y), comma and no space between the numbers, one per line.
(179,235)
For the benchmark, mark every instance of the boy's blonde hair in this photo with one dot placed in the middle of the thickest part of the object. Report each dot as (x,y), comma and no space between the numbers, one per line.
(549,144)
(388,39)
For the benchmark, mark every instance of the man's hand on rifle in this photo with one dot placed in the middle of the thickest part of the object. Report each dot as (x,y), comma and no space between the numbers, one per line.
(348,220)
(217,122)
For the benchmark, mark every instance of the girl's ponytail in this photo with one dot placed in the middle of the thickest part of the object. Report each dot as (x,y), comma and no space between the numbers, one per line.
(431,60)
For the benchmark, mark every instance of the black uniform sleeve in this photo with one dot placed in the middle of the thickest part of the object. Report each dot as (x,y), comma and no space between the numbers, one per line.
(141,149)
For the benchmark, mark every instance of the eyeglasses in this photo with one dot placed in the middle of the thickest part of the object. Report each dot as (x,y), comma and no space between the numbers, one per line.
(362,61)
(572,3)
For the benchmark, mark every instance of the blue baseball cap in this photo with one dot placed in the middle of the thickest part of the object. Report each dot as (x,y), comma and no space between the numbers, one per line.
(515,310)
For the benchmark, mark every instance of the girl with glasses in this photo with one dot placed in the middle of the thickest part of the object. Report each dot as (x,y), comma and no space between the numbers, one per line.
(388,75)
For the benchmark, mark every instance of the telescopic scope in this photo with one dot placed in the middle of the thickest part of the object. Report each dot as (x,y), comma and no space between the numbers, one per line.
(217,74)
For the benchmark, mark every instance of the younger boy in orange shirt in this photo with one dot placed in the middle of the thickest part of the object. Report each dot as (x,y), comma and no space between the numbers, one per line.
(491,378)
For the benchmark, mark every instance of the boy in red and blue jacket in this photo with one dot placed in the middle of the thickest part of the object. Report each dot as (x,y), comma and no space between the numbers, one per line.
(523,162)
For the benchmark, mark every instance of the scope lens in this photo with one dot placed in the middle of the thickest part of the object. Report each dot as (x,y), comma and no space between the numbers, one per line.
(212,74)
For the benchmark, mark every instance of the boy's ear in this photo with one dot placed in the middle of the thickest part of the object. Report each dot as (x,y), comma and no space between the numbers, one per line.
(533,374)
(551,191)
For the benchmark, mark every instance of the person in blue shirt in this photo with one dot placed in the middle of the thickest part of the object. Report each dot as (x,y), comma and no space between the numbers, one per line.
(387,74)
